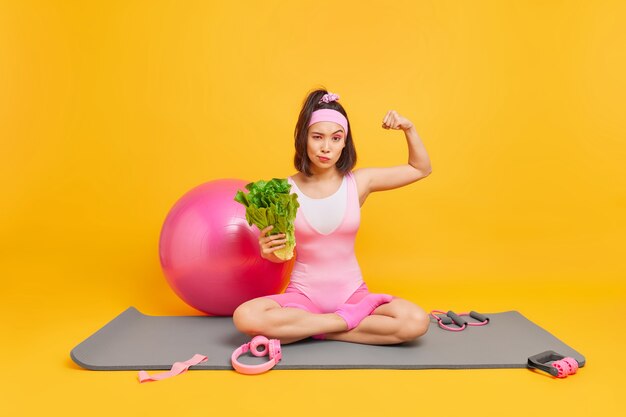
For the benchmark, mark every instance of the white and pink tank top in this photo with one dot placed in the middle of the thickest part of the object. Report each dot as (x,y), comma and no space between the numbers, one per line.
(326,269)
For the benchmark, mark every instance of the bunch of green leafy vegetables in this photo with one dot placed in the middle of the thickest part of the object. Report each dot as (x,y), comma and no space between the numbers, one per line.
(270,203)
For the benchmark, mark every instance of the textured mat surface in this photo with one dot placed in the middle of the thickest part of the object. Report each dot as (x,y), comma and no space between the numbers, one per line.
(134,341)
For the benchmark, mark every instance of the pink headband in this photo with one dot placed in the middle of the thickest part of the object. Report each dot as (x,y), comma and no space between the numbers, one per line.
(329,115)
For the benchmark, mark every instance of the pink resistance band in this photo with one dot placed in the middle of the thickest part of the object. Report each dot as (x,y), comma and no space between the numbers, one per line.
(177,368)
(329,115)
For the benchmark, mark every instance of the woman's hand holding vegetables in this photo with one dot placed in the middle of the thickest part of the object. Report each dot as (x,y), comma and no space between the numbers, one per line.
(269,244)
(270,203)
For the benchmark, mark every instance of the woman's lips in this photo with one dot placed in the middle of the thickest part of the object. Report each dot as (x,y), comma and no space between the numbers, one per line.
(323,159)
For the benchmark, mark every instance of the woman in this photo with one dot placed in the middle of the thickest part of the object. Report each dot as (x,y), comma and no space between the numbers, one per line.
(327,297)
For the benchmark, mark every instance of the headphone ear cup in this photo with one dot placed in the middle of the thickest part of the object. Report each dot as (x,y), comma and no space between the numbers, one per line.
(259,341)
(274,347)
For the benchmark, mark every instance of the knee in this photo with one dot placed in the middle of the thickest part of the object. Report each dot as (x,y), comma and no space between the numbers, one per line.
(247,320)
(415,323)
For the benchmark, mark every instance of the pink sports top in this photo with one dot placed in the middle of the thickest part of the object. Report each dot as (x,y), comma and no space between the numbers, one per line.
(326,269)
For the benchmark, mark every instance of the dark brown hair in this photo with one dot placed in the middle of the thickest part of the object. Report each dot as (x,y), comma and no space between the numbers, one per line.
(301,160)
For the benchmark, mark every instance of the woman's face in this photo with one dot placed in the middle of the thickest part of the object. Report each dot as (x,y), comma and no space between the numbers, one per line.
(325,142)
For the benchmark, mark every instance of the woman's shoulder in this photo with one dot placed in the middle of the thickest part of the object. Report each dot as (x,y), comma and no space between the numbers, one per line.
(361,178)
(294,180)
(294,177)
(358,173)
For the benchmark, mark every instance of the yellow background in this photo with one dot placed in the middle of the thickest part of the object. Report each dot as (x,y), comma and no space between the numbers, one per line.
(112,110)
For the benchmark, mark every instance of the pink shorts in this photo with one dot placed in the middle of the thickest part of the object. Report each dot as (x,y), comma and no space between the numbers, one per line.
(293,297)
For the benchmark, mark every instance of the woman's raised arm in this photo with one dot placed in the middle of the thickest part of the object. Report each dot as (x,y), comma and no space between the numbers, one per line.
(418,167)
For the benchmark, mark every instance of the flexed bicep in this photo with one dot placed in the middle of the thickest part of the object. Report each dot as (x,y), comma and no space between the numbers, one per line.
(388,178)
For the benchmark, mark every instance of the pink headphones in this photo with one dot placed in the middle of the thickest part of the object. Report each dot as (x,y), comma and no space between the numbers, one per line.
(268,345)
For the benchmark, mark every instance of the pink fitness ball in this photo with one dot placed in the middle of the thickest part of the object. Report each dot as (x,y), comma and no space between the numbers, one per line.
(210,255)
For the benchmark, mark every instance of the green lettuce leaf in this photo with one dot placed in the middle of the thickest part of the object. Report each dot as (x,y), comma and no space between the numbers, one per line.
(270,203)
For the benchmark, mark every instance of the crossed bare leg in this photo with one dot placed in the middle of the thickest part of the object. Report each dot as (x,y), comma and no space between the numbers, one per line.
(376,319)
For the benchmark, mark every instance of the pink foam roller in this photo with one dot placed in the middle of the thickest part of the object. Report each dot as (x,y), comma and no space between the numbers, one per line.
(572,364)
(562,367)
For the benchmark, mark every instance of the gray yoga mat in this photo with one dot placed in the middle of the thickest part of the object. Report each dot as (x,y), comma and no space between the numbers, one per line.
(134,341)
